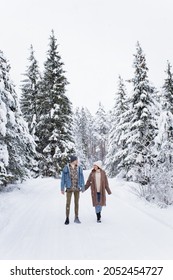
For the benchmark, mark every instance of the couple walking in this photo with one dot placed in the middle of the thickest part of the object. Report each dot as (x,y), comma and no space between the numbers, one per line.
(72,182)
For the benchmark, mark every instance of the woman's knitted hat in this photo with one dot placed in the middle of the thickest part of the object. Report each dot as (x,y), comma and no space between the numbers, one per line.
(98,163)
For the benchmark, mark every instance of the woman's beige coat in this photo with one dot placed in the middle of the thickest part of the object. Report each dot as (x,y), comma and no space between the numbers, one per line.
(91,182)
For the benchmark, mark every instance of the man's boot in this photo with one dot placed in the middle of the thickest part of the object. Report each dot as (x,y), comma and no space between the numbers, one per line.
(66,221)
(76,220)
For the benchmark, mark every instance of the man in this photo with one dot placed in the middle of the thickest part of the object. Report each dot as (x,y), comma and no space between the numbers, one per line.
(72,181)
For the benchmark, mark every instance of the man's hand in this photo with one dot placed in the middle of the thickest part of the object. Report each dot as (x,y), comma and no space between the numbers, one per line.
(62,192)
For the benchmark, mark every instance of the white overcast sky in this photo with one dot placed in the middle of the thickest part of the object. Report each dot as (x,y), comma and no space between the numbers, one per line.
(97,40)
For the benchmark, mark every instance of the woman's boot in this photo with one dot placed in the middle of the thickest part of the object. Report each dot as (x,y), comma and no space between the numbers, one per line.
(98,217)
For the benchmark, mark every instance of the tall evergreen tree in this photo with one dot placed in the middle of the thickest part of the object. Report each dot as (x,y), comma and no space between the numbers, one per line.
(101,129)
(86,131)
(78,138)
(85,138)
(54,129)
(17,147)
(142,125)
(30,93)
(162,176)
(167,93)
(119,124)
(91,138)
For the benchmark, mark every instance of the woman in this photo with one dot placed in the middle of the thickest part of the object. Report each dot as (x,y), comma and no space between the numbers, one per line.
(98,182)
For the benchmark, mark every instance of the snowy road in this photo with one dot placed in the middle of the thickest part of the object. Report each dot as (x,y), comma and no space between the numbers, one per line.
(32,225)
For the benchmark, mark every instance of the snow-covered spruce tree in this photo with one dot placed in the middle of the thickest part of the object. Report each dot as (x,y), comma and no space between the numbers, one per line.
(78,138)
(161,189)
(86,136)
(91,146)
(54,129)
(119,123)
(101,129)
(142,123)
(167,92)
(30,93)
(17,147)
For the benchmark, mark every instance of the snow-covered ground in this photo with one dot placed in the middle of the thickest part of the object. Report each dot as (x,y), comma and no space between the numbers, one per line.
(32,225)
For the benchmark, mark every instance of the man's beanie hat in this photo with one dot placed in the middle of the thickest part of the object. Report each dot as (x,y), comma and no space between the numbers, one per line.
(73,158)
